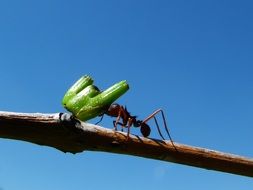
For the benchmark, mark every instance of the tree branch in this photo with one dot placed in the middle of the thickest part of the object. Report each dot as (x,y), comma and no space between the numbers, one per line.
(64,133)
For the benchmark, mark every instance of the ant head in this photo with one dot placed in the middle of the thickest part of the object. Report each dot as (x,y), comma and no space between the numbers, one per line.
(113,110)
(113,107)
(145,129)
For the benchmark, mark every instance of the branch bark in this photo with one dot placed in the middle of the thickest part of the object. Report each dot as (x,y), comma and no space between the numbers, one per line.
(64,133)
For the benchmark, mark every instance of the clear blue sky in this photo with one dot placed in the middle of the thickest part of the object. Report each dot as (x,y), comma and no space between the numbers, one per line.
(194,59)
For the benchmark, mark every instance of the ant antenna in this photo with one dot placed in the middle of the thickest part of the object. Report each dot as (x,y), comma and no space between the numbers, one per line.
(101,118)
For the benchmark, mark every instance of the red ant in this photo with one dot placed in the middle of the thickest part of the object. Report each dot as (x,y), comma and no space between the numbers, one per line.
(120,112)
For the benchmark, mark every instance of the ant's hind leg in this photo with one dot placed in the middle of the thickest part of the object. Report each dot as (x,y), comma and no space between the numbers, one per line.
(166,128)
(164,122)
(153,116)
(158,128)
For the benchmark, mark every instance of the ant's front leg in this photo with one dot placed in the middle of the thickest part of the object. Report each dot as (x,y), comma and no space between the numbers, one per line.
(115,123)
(120,114)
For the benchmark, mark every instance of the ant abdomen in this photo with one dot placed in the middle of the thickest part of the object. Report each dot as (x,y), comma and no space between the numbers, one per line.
(145,129)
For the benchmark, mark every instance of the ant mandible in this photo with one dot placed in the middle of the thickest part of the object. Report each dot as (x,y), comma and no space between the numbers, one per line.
(120,112)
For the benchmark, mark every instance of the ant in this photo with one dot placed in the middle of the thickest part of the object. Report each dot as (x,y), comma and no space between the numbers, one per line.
(120,112)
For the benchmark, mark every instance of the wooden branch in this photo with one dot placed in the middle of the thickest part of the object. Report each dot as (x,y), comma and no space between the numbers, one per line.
(63,132)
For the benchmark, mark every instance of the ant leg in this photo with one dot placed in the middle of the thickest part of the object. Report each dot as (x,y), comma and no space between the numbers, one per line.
(129,124)
(115,123)
(122,125)
(128,132)
(121,114)
(158,128)
(166,128)
(119,123)
(153,116)
(101,118)
(164,122)
(165,125)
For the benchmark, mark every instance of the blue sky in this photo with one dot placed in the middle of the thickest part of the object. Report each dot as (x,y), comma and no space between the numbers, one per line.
(193,59)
